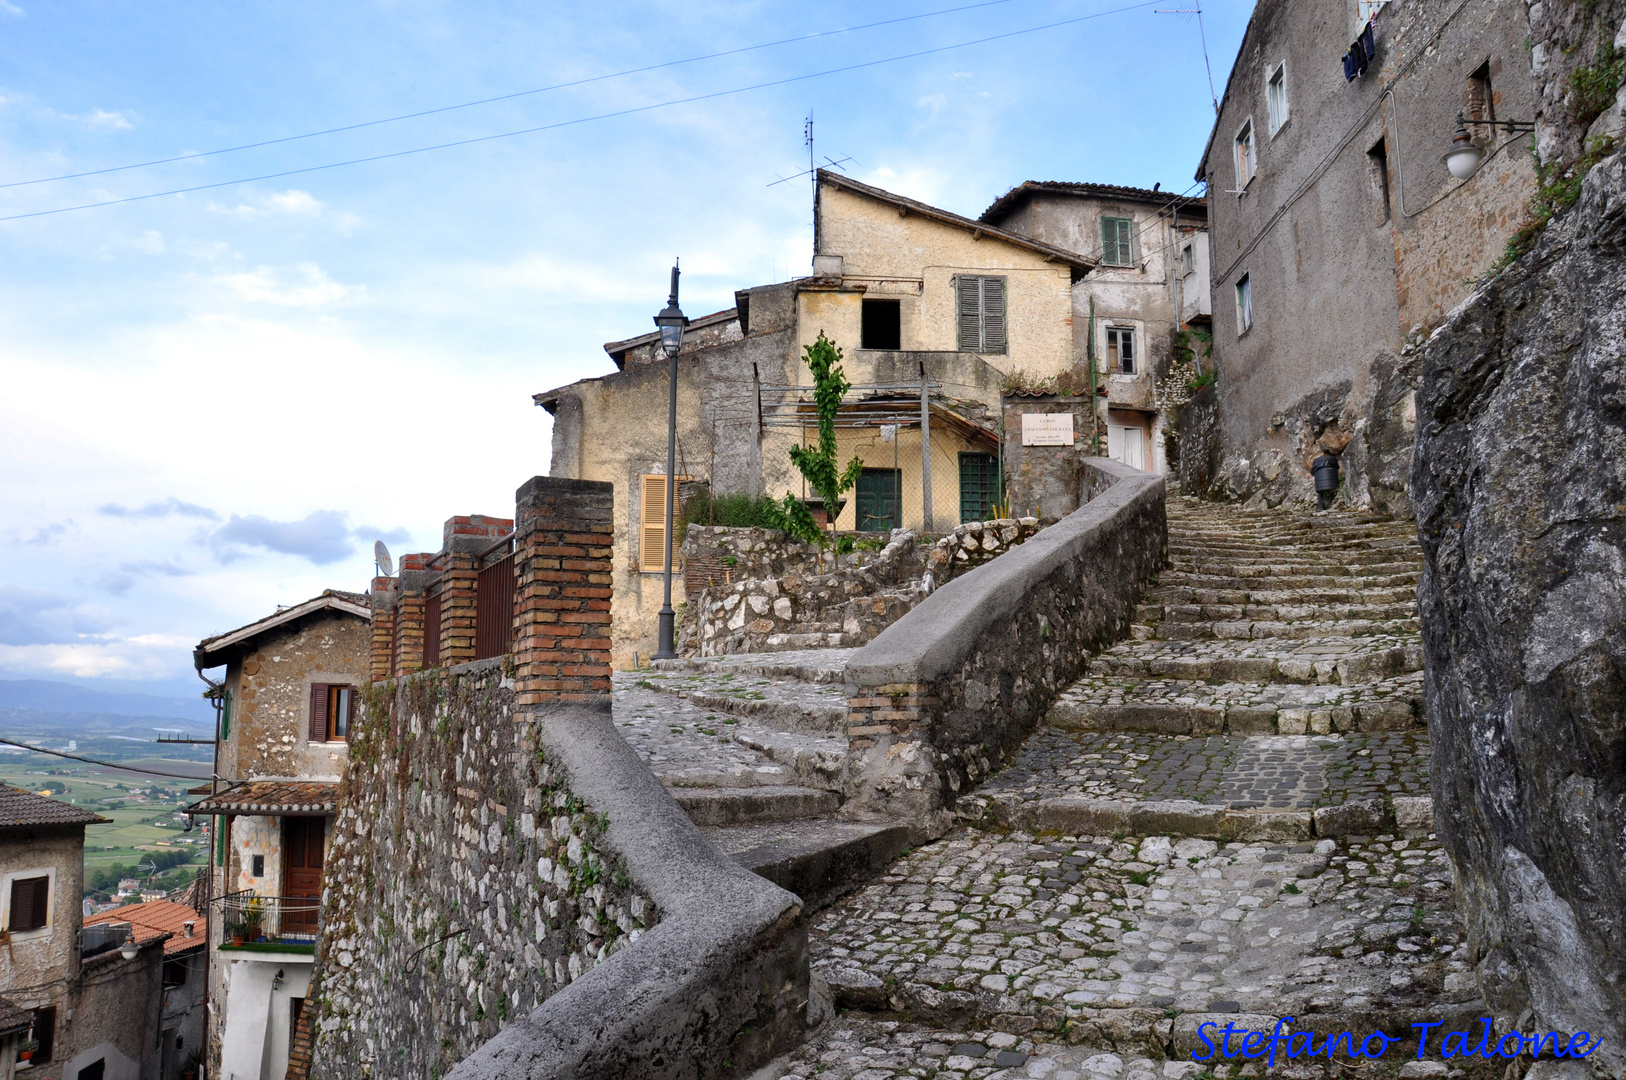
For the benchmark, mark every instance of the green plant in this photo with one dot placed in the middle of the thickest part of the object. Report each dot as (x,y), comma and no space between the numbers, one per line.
(818,463)
(1558,187)
(736,511)
(1593,88)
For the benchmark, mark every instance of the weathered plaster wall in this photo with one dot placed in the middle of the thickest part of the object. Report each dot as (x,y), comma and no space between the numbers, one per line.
(115,1018)
(270,692)
(1043,481)
(1519,482)
(1342,257)
(44,959)
(466,882)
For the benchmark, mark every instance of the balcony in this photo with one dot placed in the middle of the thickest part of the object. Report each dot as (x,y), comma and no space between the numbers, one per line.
(278,924)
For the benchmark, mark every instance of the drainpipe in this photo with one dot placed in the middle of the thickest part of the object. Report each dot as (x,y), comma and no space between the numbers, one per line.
(1095,414)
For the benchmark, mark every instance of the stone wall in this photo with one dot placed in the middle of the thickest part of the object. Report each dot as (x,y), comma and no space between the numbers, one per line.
(478,883)
(945,695)
(1519,483)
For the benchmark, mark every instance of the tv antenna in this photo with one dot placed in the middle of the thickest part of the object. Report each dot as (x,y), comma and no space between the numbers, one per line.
(1201,36)
(813,165)
(382,560)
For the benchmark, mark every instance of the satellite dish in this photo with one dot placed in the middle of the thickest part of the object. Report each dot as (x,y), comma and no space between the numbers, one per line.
(381,557)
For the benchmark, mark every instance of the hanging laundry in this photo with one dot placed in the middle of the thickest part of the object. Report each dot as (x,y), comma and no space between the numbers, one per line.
(1359,54)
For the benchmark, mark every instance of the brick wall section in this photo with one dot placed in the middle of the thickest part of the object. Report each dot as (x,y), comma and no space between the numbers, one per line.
(562,574)
(384,596)
(890,709)
(457,608)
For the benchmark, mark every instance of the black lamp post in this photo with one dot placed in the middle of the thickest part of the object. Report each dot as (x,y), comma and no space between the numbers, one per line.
(671,323)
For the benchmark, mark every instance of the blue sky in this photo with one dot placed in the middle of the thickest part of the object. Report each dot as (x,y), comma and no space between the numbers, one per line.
(214,402)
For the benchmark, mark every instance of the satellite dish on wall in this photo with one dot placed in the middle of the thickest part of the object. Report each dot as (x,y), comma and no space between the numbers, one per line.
(381,557)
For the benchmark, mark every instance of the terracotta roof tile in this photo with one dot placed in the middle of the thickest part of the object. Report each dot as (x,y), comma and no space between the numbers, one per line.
(273,797)
(159,917)
(19,809)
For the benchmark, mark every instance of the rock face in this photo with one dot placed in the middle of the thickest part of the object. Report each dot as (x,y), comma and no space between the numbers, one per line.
(1520,490)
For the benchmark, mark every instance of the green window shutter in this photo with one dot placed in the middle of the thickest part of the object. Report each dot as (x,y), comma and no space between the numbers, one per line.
(878,509)
(968,308)
(993,315)
(979,485)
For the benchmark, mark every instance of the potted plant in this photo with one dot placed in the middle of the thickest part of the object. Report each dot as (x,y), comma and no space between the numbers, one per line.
(25,1050)
(253,916)
(189,1071)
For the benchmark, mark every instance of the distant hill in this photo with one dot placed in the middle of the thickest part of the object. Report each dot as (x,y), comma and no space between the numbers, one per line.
(47,696)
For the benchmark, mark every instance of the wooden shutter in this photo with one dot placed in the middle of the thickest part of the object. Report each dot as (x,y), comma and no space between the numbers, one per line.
(652,524)
(968,308)
(44,1033)
(350,715)
(30,903)
(993,314)
(318,712)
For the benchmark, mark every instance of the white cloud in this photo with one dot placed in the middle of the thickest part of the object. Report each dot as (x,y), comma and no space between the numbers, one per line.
(97,118)
(310,287)
(292,202)
(10,9)
(145,656)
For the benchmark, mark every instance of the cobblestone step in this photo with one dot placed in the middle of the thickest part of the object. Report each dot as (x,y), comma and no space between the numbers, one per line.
(1151,613)
(1392,580)
(807,665)
(784,704)
(1186,594)
(754,805)
(819,860)
(1193,707)
(1347,661)
(1244,630)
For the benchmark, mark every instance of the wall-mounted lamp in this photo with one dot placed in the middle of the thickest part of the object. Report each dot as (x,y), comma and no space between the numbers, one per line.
(1464,157)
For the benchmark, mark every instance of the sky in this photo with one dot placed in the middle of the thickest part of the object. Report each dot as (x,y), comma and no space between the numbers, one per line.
(214,402)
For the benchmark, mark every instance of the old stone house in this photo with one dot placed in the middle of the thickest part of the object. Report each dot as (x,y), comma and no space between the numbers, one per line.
(93,999)
(1149,283)
(912,294)
(1337,229)
(290,691)
(182,1011)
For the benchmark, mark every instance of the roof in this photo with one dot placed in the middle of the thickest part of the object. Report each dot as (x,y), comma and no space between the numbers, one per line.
(1008,202)
(13,1018)
(619,349)
(214,651)
(1080,264)
(20,809)
(272,797)
(159,917)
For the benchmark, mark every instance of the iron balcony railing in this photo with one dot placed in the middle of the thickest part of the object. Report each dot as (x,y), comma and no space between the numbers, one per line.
(247,918)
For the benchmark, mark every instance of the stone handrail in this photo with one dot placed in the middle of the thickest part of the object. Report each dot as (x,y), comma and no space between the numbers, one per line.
(722,977)
(945,694)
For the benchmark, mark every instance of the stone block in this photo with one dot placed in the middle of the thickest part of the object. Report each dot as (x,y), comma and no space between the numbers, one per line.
(1391,715)
(1176,818)
(1358,817)
(1414,814)
(1250,720)
(1267,825)
(1293,722)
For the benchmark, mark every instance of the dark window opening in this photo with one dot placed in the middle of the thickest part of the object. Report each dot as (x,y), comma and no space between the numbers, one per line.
(1378,163)
(96,1070)
(1121,350)
(44,1033)
(295,1007)
(979,486)
(30,903)
(1481,99)
(880,500)
(257,866)
(883,325)
(175,972)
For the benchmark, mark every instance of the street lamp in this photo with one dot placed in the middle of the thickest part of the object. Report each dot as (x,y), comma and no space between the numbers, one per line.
(1464,157)
(671,323)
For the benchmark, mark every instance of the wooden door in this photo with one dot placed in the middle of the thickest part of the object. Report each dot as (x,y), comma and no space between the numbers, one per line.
(301,872)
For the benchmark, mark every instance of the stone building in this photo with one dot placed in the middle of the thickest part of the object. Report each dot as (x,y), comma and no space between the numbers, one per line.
(1337,230)
(182,1009)
(1150,282)
(911,294)
(93,1001)
(291,689)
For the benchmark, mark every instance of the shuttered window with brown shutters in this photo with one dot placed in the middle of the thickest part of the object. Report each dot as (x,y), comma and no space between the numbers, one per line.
(652,524)
(44,1033)
(30,903)
(980,311)
(318,712)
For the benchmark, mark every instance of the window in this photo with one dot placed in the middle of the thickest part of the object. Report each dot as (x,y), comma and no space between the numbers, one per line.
(1276,97)
(96,1070)
(333,710)
(1246,159)
(175,972)
(30,903)
(652,525)
(44,1033)
(1118,241)
(879,495)
(1188,261)
(256,866)
(1481,105)
(1368,9)
(1244,305)
(882,325)
(981,310)
(1121,350)
(979,486)
(1377,162)
(225,717)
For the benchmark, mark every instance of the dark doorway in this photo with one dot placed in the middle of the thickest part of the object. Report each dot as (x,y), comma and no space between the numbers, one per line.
(301,873)
(883,325)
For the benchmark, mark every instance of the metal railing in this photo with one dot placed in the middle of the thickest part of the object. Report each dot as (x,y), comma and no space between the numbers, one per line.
(249,918)
(494,603)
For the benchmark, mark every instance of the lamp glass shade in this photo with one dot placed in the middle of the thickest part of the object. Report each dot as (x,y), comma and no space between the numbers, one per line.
(1463,160)
(671,334)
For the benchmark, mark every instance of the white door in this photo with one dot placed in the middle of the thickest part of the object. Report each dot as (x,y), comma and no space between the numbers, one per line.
(1127,444)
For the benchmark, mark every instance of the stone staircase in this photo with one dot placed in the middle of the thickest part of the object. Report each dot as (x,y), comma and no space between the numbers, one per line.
(1273,675)
(752,746)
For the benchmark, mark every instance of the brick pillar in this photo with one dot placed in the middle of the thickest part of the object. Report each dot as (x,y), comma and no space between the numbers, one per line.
(562,578)
(386,591)
(409,612)
(457,609)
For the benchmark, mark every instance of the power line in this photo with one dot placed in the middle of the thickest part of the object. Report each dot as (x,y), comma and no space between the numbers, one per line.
(586,119)
(509,97)
(93,761)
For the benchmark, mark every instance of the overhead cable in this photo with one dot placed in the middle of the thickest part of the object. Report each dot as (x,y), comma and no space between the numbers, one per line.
(105,764)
